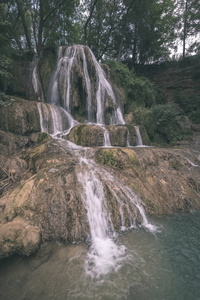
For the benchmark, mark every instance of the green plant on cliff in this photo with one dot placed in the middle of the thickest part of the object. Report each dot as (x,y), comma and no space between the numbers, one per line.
(190,104)
(162,124)
(139,91)
(108,158)
(5,100)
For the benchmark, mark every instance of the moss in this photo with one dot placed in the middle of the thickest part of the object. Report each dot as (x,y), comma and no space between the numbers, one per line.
(118,158)
(78,132)
(42,137)
(176,164)
(107,157)
(132,156)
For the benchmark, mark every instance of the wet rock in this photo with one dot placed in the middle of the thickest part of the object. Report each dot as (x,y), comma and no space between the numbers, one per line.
(87,135)
(18,237)
(50,200)
(20,118)
(163,178)
(118,135)
(46,203)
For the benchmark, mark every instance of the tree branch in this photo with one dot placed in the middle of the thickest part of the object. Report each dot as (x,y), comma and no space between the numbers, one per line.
(88,20)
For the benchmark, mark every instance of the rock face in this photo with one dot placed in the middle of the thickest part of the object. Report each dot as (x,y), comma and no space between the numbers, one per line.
(93,135)
(21,118)
(18,237)
(44,202)
(164,179)
(174,77)
(87,136)
(44,181)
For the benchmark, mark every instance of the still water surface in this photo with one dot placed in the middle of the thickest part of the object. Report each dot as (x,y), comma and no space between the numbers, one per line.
(163,265)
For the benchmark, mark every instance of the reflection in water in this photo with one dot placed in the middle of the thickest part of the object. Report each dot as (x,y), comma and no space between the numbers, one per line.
(164,265)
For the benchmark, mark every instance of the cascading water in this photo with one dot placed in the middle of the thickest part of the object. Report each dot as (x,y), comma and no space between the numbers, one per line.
(55,120)
(107,142)
(104,255)
(54,94)
(61,84)
(138,135)
(128,139)
(103,88)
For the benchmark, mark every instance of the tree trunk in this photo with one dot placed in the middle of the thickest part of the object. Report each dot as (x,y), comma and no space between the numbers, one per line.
(134,57)
(25,25)
(185,27)
(88,20)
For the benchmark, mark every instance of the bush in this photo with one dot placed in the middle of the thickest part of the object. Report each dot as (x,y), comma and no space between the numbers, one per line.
(138,90)
(190,104)
(162,124)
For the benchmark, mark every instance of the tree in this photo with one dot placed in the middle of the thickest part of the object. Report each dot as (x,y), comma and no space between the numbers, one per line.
(99,25)
(147,30)
(35,24)
(121,29)
(5,49)
(188,14)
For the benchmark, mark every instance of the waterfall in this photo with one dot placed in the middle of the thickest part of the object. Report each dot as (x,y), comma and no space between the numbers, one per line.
(107,142)
(36,84)
(54,120)
(62,79)
(138,135)
(54,94)
(103,88)
(100,190)
(128,139)
(88,86)
(105,255)
(106,135)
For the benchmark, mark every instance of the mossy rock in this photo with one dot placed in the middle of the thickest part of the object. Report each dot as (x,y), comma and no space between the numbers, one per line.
(87,135)
(119,158)
(118,135)
(21,117)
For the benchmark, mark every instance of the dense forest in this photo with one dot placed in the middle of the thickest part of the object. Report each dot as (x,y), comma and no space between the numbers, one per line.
(141,31)
(122,33)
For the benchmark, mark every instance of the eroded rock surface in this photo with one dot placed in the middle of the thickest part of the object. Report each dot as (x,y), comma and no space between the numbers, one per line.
(41,198)
(45,203)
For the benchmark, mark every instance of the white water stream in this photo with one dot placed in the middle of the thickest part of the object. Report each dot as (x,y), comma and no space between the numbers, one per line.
(138,135)
(104,254)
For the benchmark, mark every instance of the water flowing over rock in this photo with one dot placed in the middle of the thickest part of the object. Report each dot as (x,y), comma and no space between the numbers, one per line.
(62,190)
(138,135)
(80,86)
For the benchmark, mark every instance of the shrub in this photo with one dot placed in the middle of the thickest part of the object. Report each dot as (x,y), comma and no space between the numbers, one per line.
(138,90)
(190,104)
(162,124)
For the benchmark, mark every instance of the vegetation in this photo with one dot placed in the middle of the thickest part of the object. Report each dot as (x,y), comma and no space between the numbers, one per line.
(124,33)
(139,91)
(5,100)
(190,106)
(162,123)
(141,31)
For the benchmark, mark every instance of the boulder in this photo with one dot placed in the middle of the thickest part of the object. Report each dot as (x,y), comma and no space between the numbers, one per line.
(18,237)
(87,135)
(21,117)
